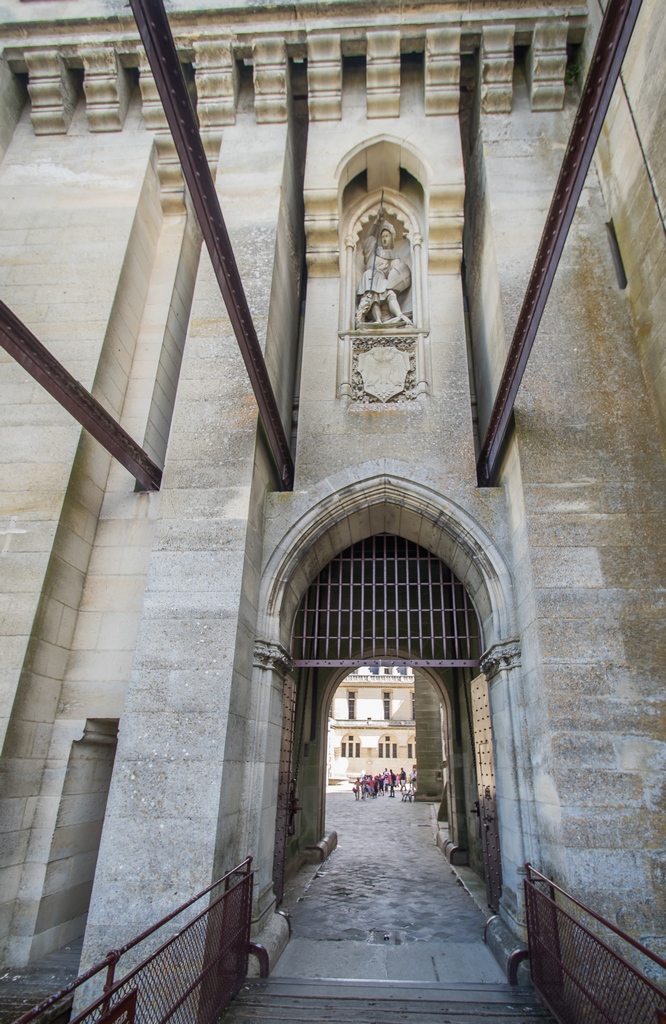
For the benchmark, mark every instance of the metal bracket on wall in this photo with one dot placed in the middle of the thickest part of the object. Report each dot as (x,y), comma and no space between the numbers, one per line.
(27,350)
(614,35)
(161,52)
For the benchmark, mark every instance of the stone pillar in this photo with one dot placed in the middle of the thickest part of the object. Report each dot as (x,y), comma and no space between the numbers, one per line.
(383,74)
(270,80)
(547,64)
(429,751)
(107,89)
(497,69)
(324,78)
(168,167)
(271,663)
(501,665)
(442,71)
(52,92)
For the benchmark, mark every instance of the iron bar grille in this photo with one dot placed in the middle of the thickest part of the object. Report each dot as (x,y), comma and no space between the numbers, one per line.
(581,979)
(386,599)
(188,979)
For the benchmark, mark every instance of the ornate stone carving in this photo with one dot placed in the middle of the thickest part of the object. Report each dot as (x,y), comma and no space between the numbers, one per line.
(52,92)
(547,64)
(503,655)
(384,369)
(324,78)
(383,74)
(106,86)
(270,79)
(387,275)
(497,69)
(216,75)
(271,656)
(442,71)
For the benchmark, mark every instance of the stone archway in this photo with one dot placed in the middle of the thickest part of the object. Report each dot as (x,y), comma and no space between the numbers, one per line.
(392,504)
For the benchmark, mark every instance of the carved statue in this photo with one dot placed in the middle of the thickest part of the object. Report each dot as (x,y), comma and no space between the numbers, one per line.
(385,277)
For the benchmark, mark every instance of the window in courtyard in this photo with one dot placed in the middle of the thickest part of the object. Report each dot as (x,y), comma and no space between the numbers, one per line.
(410,751)
(413,704)
(351,705)
(387,706)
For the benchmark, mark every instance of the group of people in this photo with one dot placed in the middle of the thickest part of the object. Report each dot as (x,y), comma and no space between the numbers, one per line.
(386,782)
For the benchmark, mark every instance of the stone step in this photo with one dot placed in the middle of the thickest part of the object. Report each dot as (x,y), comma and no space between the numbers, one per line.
(303,1000)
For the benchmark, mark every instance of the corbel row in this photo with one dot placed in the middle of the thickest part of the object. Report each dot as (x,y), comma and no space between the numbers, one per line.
(107,86)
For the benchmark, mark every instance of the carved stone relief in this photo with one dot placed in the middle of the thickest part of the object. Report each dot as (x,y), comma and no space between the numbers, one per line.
(383,369)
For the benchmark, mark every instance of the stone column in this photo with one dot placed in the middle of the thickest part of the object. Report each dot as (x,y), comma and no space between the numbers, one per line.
(429,751)
(501,665)
(497,69)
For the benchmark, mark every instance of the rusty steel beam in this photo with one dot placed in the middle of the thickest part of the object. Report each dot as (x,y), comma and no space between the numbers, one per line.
(22,344)
(161,53)
(616,28)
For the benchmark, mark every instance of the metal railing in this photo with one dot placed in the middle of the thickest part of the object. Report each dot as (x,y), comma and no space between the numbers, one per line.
(581,978)
(188,979)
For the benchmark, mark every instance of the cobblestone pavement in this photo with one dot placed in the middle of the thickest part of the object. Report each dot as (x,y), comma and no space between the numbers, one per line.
(386,904)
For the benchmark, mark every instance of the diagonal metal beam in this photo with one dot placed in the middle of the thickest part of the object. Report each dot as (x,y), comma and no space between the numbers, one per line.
(161,52)
(616,29)
(22,344)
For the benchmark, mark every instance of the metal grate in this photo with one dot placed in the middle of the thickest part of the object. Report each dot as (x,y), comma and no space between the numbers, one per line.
(580,977)
(386,599)
(189,978)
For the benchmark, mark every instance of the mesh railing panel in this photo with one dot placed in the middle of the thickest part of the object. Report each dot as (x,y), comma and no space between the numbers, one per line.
(579,977)
(190,977)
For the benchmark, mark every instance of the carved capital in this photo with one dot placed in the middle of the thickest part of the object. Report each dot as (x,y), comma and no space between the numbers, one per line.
(504,655)
(383,74)
(106,86)
(52,92)
(325,78)
(271,656)
(497,68)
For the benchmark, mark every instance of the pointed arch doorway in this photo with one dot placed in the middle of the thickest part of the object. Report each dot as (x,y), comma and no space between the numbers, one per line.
(383,601)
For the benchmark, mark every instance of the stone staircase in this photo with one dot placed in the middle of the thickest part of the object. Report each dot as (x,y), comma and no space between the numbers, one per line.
(302,1000)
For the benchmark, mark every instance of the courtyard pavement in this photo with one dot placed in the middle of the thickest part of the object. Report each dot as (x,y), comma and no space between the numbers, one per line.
(386,904)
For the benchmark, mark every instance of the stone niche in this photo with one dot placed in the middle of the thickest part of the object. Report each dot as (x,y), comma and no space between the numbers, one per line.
(383,340)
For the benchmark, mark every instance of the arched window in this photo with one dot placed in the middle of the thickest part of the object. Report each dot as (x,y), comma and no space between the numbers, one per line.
(350,747)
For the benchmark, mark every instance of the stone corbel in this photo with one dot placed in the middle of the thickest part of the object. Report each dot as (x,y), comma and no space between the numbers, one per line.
(270,655)
(321,232)
(324,78)
(172,189)
(504,655)
(107,90)
(445,228)
(216,75)
(442,71)
(270,80)
(497,68)
(383,74)
(547,64)
(52,92)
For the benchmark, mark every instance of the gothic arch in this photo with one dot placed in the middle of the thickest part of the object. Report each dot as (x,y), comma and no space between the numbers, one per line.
(386,504)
